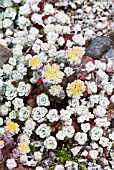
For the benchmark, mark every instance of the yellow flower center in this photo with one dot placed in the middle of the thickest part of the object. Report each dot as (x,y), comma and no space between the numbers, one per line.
(12,127)
(75,88)
(1,142)
(53,74)
(35,62)
(75,55)
(24,147)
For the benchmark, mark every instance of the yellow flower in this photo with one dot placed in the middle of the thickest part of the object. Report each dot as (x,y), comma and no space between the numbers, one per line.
(76,88)
(12,127)
(35,62)
(75,54)
(1,144)
(24,147)
(52,74)
(55,90)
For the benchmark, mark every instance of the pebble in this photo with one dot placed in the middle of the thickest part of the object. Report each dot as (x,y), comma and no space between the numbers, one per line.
(5,53)
(98,46)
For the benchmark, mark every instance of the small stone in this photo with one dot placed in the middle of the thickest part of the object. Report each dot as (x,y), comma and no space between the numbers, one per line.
(102,161)
(110,53)
(5,54)
(98,46)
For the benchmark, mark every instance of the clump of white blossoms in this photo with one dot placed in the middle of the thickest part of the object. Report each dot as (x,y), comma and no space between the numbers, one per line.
(56,103)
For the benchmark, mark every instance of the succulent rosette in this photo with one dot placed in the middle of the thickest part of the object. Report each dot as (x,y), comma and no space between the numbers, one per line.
(56,103)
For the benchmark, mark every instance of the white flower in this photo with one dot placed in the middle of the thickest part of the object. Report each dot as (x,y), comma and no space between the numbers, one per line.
(13,114)
(50,143)
(34,31)
(94,145)
(60,135)
(62,18)
(99,111)
(7,23)
(68,71)
(1,121)
(25,10)
(68,122)
(10,13)
(68,131)
(11,92)
(24,138)
(61,41)
(44,46)
(69,43)
(22,20)
(16,75)
(49,28)
(100,65)
(30,124)
(93,154)
(23,89)
(53,115)
(84,153)
(58,28)
(85,127)
(39,168)
(81,138)
(24,159)
(18,103)
(35,47)
(42,100)
(1,83)
(48,9)
(52,37)
(37,155)
(43,130)
(112,99)
(17,50)
(24,113)
(111,136)
(94,99)
(108,87)
(66,30)
(37,19)
(7,3)
(104,102)
(104,141)
(91,87)
(112,155)
(17,1)
(21,68)
(78,39)
(102,122)
(75,150)
(65,115)
(96,133)
(12,61)
(102,75)
(39,113)
(7,68)
(59,167)
(11,163)
(82,110)
(90,66)
(35,7)
(3,110)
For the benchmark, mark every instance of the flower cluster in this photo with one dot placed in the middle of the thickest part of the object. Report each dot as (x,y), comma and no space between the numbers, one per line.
(52,94)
